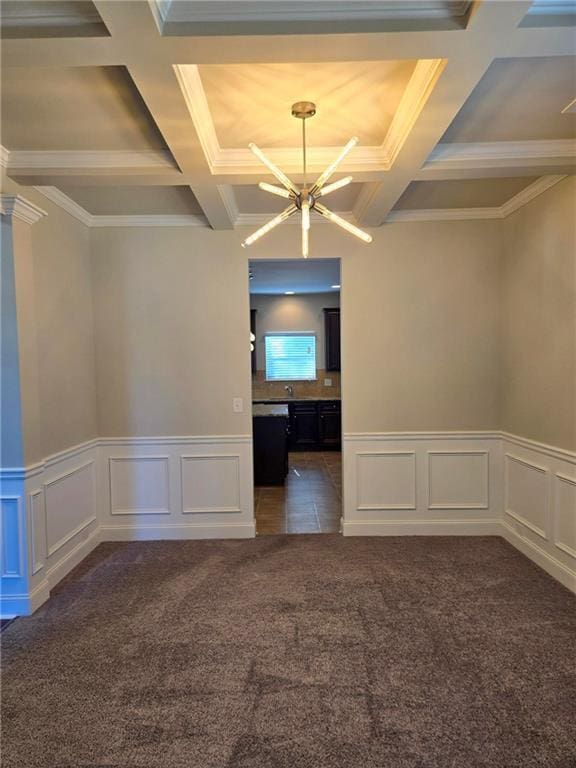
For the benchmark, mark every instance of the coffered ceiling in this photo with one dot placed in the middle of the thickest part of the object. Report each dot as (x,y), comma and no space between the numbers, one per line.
(118,109)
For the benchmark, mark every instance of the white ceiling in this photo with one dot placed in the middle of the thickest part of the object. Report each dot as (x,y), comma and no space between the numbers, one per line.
(298,275)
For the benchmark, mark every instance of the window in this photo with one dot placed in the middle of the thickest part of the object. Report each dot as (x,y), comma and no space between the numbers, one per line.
(290,356)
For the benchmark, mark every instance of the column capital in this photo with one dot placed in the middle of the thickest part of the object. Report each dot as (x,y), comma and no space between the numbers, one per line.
(20,208)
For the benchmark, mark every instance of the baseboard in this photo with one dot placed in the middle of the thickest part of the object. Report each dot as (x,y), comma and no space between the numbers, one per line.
(422,528)
(24,605)
(177,531)
(543,559)
(73,558)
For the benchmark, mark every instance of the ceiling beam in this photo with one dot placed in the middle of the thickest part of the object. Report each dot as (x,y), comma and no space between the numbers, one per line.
(489,25)
(218,203)
(158,85)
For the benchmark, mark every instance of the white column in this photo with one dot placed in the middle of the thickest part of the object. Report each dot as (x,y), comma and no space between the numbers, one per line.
(19,403)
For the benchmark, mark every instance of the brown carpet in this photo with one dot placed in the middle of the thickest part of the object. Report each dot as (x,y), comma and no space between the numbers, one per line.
(296,652)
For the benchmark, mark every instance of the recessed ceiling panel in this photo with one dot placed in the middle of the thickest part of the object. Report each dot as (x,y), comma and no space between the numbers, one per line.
(251,102)
(298,275)
(50,18)
(251,199)
(519,100)
(243,17)
(461,193)
(75,108)
(551,13)
(134,201)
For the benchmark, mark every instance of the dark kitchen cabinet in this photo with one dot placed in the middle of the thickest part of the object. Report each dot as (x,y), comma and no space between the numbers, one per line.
(332,338)
(303,425)
(270,436)
(253,330)
(329,425)
(315,425)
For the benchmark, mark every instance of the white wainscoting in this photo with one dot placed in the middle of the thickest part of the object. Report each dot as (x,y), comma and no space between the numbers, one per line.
(457,483)
(56,524)
(428,483)
(539,510)
(176,488)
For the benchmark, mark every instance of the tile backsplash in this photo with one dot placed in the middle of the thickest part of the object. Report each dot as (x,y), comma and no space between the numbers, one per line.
(262,389)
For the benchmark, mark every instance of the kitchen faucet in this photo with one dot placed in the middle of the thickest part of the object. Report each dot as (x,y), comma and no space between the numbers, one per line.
(289,389)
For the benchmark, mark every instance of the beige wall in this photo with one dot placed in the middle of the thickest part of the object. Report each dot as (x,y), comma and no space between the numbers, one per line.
(420,319)
(303,312)
(54,300)
(438,326)
(172,331)
(420,313)
(539,318)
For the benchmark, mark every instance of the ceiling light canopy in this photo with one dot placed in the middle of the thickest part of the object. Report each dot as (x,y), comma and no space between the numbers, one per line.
(305,199)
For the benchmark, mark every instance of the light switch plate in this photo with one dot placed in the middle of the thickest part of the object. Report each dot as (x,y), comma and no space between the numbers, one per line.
(327,382)
(238,405)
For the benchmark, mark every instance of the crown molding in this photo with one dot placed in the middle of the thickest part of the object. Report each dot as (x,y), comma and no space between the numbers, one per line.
(67,204)
(498,153)
(228,198)
(258,219)
(467,214)
(93,159)
(183,220)
(4,156)
(529,193)
(229,161)
(443,214)
(420,86)
(20,208)
(188,77)
(296,10)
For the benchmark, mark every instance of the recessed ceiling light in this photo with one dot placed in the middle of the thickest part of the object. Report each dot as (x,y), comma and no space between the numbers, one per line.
(289,293)
(335,286)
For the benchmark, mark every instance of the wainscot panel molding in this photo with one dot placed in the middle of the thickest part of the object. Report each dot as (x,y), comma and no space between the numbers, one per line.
(56,527)
(53,513)
(539,510)
(422,483)
(176,487)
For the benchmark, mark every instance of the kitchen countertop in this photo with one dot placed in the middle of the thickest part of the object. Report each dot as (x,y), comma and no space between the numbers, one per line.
(262,400)
(270,410)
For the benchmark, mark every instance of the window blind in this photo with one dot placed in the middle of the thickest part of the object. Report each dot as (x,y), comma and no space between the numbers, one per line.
(290,356)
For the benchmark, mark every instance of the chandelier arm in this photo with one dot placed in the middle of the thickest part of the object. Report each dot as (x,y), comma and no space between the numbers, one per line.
(280,175)
(305,210)
(280,191)
(333,187)
(323,178)
(286,213)
(335,219)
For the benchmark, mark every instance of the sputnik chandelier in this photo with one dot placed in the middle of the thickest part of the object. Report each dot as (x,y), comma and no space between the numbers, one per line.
(305,198)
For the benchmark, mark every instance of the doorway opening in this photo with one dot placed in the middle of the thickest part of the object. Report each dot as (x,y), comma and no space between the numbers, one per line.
(296,395)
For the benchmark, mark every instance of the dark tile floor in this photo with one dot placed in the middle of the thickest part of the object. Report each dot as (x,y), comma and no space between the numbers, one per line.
(309,502)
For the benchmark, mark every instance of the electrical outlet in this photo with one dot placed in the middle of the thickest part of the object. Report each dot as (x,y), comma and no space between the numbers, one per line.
(238,405)
(327,382)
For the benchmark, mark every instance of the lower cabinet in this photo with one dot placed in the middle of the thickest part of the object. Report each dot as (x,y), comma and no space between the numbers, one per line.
(315,425)
(329,425)
(303,425)
(270,435)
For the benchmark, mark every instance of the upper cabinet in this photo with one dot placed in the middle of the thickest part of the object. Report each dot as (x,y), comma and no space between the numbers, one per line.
(332,338)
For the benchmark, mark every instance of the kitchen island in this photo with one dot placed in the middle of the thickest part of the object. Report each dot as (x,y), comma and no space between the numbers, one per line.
(270,433)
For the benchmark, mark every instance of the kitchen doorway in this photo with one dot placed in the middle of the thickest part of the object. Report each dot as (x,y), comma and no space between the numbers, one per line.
(296,395)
